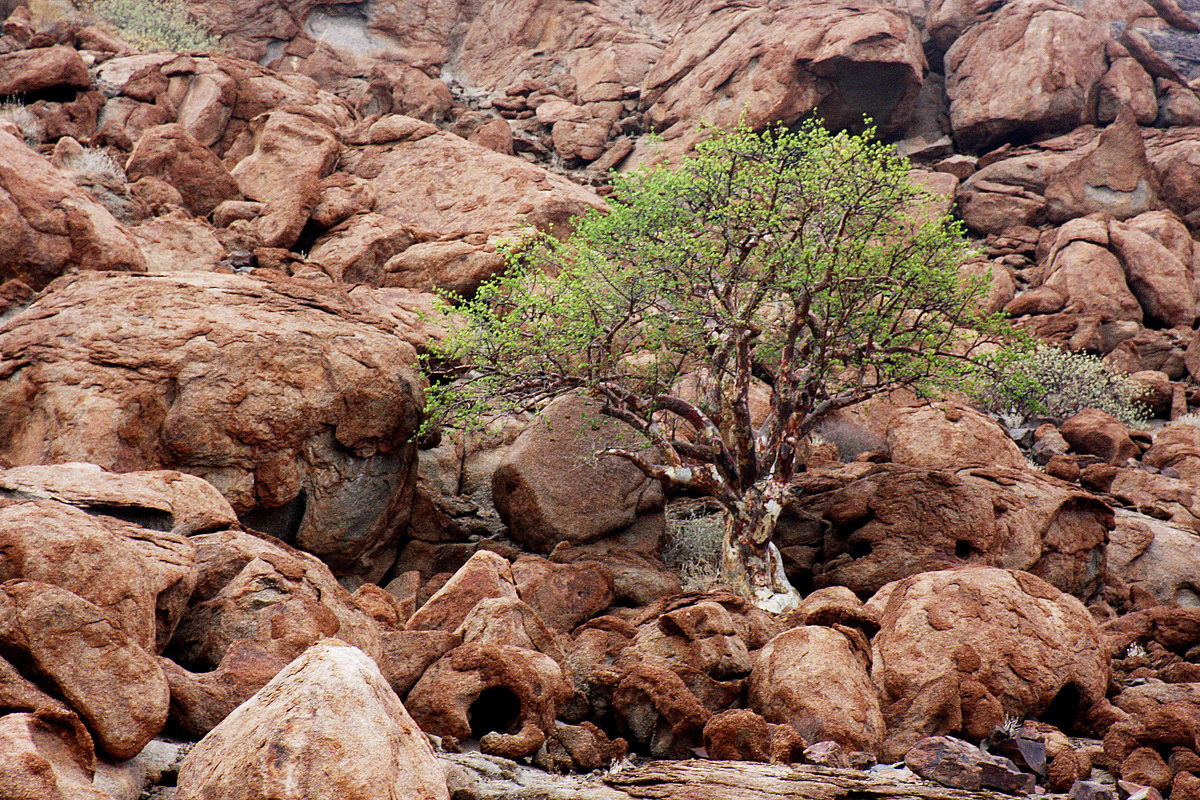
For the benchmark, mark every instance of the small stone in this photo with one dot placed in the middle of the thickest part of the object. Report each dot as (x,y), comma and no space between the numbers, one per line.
(1091,790)
(827,754)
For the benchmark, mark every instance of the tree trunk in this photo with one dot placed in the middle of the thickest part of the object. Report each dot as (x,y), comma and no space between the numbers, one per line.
(750,562)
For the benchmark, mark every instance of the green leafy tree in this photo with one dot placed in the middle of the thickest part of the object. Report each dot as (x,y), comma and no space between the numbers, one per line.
(804,262)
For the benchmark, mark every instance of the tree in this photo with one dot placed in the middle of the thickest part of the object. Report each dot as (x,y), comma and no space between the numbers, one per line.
(803,263)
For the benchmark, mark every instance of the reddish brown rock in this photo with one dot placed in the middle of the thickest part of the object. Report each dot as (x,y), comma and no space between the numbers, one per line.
(407,654)
(1023,641)
(1160,281)
(741,735)
(278,744)
(503,620)
(1031,65)
(1099,434)
(201,700)
(1146,767)
(292,153)
(43,758)
(264,591)
(950,436)
(73,647)
(141,578)
(894,521)
(563,595)
(833,606)
(270,391)
(485,575)
(37,69)
(50,226)
(658,712)
(506,696)
(169,152)
(817,681)
(550,487)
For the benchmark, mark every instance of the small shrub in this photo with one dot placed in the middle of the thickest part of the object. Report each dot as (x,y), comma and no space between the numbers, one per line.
(25,120)
(1192,419)
(1056,384)
(693,543)
(159,25)
(96,159)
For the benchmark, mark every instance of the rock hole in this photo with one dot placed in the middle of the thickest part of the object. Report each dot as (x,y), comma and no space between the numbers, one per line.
(1063,709)
(962,548)
(496,709)
(859,548)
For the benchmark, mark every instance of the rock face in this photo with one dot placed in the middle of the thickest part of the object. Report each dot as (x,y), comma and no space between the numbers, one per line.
(885,522)
(50,226)
(115,686)
(1157,556)
(551,488)
(42,758)
(959,649)
(293,402)
(1032,66)
(280,743)
(817,680)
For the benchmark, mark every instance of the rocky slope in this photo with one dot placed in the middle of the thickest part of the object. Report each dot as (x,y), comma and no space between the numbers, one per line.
(216,277)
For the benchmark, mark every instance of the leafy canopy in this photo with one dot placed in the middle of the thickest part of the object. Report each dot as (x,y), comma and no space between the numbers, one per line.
(806,260)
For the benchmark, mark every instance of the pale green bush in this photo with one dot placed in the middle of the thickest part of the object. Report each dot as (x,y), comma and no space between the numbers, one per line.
(1056,384)
(155,24)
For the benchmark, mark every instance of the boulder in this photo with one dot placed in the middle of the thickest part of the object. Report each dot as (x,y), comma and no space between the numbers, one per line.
(1097,433)
(780,62)
(326,726)
(552,488)
(170,153)
(456,198)
(52,227)
(503,620)
(886,522)
(953,642)
(40,757)
(817,680)
(657,711)
(292,400)
(267,592)
(27,72)
(961,765)
(75,651)
(1032,66)
(292,153)
(564,595)
(1091,277)
(507,697)
(1160,281)
(486,575)
(200,700)
(177,242)
(141,578)
(1156,555)
(950,436)
(741,735)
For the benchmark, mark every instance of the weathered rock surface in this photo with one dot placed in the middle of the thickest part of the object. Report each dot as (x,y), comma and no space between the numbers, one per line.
(1157,556)
(551,488)
(141,578)
(947,436)
(50,226)
(170,153)
(1032,66)
(74,648)
(327,726)
(45,759)
(291,400)
(959,649)
(817,680)
(266,592)
(884,522)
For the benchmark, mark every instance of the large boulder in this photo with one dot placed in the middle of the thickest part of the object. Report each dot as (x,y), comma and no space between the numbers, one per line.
(817,680)
(863,526)
(949,436)
(552,488)
(1031,67)
(41,68)
(170,153)
(294,402)
(326,726)
(1157,556)
(958,650)
(50,226)
(142,578)
(76,652)
(252,588)
(778,62)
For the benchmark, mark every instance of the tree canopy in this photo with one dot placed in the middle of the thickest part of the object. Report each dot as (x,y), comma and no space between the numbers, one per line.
(801,266)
